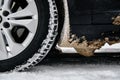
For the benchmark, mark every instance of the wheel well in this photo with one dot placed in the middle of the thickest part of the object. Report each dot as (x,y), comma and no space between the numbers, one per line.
(61,13)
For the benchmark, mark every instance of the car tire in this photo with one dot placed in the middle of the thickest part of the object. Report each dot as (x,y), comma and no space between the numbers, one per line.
(37,46)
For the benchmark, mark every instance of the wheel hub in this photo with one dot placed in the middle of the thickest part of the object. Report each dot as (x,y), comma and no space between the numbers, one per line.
(5,13)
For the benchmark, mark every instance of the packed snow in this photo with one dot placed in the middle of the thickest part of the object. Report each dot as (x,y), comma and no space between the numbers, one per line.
(69,70)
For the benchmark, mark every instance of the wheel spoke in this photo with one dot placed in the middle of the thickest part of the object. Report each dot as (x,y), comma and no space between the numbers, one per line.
(2,43)
(22,13)
(21,17)
(14,47)
(6,4)
(3,49)
(26,23)
(28,11)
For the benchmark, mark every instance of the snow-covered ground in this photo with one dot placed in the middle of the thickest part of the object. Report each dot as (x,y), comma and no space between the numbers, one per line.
(70,70)
(67,72)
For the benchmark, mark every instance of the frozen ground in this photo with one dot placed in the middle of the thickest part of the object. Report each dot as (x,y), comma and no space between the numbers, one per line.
(98,68)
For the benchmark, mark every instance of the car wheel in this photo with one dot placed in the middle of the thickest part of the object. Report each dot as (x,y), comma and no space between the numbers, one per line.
(28,29)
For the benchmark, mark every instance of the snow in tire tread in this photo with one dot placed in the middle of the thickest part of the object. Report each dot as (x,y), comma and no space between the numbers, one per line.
(47,43)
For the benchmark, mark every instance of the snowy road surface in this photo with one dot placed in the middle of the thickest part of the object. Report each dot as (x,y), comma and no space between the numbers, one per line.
(98,68)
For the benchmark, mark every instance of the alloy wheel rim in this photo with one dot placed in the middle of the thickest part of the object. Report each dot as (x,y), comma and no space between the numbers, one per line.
(24,20)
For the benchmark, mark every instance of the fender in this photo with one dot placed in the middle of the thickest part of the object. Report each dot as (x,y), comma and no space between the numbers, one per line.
(89,36)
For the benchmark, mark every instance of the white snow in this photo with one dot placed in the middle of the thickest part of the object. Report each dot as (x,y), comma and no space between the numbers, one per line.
(67,72)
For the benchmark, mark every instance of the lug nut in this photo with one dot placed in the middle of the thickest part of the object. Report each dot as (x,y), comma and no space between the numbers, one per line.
(6,25)
(5,13)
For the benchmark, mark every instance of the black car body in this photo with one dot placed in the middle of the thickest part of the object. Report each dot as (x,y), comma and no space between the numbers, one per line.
(92,24)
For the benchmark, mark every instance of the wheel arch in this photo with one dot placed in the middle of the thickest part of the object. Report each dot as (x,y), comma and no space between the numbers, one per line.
(61,19)
(61,14)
